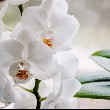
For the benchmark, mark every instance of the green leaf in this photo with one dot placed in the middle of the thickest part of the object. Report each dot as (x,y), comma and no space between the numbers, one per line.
(103,53)
(94,77)
(95,85)
(102,58)
(95,90)
(102,61)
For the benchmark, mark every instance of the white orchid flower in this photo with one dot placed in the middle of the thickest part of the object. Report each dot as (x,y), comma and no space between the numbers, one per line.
(37,62)
(14,94)
(55,31)
(62,95)
(60,89)
(7,93)
(67,66)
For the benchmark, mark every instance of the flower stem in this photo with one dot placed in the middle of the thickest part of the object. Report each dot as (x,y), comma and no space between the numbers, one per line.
(42,99)
(28,90)
(21,9)
(36,93)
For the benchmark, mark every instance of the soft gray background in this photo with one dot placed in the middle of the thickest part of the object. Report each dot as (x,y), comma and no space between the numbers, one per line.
(94,34)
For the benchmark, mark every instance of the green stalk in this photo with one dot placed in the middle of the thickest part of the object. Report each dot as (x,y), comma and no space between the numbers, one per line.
(28,90)
(36,93)
(21,9)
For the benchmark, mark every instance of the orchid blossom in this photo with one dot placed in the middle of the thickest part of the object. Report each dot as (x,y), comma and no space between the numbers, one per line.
(25,64)
(9,93)
(62,96)
(35,59)
(60,89)
(56,30)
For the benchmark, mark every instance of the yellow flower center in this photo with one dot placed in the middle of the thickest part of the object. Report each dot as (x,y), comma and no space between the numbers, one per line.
(48,42)
(23,73)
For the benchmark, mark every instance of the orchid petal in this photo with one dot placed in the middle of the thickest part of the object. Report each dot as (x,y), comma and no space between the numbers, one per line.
(66,26)
(10,52)
(27,101)
(65,103)
(34,19)
(9,93)
(70,87)
(24,37)
(30,84)
(3,82)
(69,64)
(16,31)
(55,6)
(45,88)
(41,56)
(41,75)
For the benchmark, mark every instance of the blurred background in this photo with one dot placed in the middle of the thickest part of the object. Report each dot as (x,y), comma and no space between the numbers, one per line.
(93,35)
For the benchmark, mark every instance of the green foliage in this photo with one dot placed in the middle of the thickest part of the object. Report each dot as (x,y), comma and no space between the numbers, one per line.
(94,77)
(95,90)
(103,53)
(102,58)
(95,85)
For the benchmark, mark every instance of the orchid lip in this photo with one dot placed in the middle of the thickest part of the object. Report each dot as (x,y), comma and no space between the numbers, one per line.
(23,72)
